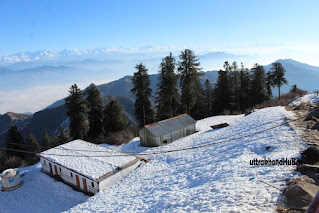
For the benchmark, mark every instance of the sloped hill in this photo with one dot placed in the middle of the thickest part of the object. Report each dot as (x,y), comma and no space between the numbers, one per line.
(7,119)
(53,118)
(210,173)
(216,176)
(305,76)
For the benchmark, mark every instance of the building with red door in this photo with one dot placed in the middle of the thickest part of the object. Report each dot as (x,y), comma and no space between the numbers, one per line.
(87,166)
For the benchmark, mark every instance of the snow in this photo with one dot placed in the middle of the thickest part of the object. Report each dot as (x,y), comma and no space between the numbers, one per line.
(215,177)
(39,193)
(311,98)
(94,161)
(206,123)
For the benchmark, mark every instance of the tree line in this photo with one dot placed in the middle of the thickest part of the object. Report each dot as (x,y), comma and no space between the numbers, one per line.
(180,91)
(89,119)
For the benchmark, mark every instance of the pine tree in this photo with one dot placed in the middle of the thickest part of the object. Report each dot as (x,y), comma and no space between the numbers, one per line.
(95,115)
(76,112)
(269,85)
(259,92)
(191,88)
(63,136)
(54,141)
(198,111)
(245,88)
(167,96)
(46,141)
(222,90)
(234,87)
(114,119)
(14,141)
(278,75)
(32,144)
(208,92)
(142,91)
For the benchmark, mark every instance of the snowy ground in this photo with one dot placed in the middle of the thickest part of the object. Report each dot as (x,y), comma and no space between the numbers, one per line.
(39,193)
(311,98)
(215,178)
(212,178)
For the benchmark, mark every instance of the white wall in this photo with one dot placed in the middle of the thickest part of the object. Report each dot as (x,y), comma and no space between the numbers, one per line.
(66,176)
(111,180)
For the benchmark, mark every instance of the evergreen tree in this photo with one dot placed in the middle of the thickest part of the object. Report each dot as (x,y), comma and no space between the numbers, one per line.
(114,119)
(63,136)
(222,90)
(167,96)
(234,87)
(14,141)
(76,112)
(269,85)
(54,141)
(198,111)
(46,141)
(259,92)
(245,88)
(95,115)
(32,144)
(278,75)
(142,91)
(208,93)
(191,88)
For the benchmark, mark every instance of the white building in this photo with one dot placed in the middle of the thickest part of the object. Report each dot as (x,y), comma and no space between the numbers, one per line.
(87,166)
(10,179)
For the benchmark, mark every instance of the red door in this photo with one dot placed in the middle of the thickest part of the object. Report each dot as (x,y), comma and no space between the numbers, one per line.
(84,184)
(56,170)
(77,180)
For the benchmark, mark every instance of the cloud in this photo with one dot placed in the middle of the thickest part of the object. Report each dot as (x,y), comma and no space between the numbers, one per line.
(36,98)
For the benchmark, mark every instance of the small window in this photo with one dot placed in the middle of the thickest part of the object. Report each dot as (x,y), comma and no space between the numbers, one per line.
(92,183)
(44,162)
(60,169)
(71,174)
(164,141)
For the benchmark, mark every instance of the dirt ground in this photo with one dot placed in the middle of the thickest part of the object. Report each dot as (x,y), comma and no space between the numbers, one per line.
(306,186)
(303,127)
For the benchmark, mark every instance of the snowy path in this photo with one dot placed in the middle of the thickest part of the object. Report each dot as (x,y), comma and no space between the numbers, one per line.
(209,179)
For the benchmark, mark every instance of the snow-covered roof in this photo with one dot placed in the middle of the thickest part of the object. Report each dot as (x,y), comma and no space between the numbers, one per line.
(170,125)
(88,159)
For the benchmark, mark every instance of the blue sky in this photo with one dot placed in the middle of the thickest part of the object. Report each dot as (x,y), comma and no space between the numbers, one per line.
(252,27)
(262,30)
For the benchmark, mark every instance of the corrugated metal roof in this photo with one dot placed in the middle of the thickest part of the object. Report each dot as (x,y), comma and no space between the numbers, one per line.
(170,125)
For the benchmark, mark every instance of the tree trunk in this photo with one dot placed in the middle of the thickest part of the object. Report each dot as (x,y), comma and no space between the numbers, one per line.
(279,92)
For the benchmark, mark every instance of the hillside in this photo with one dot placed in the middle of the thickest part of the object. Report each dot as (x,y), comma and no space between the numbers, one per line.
(7,119)
(304,75)
(215,175)
(53,118)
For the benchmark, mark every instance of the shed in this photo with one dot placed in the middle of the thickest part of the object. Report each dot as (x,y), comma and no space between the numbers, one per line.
(10,179)
(167,131)
(87,166)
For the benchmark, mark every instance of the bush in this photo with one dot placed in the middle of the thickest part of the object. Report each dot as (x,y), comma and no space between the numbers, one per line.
(119,137)
(285,100)
(10,162)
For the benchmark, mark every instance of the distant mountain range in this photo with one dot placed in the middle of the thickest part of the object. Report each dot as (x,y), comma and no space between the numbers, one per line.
(52,117)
